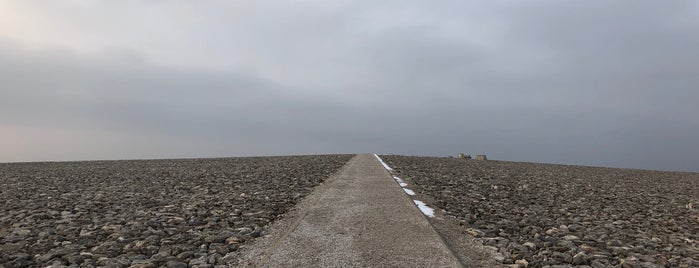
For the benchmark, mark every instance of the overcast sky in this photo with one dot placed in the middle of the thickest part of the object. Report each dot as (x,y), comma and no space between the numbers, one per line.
(606,83)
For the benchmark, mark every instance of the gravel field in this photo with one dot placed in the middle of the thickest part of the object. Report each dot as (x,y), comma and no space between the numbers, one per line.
(563,216)
(147,213)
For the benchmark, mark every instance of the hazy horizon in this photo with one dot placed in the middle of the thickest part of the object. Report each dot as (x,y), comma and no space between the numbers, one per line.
(340,153)
(594,83)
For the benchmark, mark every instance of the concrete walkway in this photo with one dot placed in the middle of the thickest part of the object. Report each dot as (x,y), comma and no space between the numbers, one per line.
(362,218)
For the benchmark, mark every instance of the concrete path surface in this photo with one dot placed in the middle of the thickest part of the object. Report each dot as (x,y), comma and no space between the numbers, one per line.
(361,218)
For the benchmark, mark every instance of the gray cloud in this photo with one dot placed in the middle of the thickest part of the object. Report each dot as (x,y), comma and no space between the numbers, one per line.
(592,82)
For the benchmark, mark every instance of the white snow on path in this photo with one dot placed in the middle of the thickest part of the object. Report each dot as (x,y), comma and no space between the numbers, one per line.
(400,181)
(384,164)
(428,211)
(408,191)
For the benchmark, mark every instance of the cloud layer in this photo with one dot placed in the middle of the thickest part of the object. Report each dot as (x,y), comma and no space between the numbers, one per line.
(591,82)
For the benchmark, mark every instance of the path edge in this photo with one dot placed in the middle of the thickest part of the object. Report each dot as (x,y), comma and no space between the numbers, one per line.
(430,222)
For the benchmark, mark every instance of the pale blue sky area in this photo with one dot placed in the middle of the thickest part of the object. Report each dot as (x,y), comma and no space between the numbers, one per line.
(605,83)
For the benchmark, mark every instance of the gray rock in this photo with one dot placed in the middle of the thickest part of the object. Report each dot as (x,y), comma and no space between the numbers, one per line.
(199,261)
(113,262)
(218,248)
(530,245)
(214,258)
(580,258)
(229,258)
(109,248)
(597,264)
(74,258)
(162,256)
(153,239)
(522,263)
(185,255)
(571,237)
(498,257)
(517,247)
(56,252)
(13,247)
(475,232)
(176,264)
(562,257)
(143,264)
(47,257)
(136,257)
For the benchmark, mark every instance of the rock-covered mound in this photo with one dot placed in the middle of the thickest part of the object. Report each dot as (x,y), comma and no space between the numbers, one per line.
(147,213)
(565,215)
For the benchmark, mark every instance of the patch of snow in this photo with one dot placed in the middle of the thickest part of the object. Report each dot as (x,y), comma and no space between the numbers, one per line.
(382,163)
(400,182)
(408,191)
(428,211)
